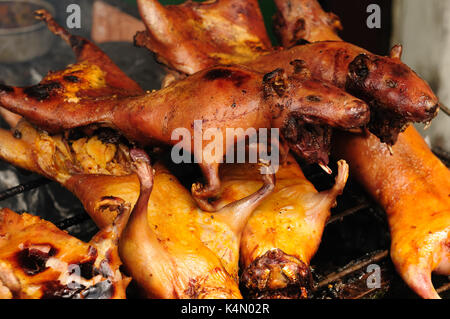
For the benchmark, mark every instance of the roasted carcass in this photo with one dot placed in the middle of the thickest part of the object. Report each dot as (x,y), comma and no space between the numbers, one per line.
(395,100)
(411,184)
(197,252)
(221,98)
(39,261)
(194,36)
(284,232)
(382,82)
(174,250)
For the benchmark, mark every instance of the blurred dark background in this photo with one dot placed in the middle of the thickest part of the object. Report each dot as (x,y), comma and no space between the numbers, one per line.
(353,16)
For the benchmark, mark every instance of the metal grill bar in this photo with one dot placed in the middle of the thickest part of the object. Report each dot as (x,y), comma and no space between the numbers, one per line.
(11,192)
(353,268)
(72,221)
(349,211)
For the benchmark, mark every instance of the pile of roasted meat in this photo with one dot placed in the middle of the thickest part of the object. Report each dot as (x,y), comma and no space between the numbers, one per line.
(93,130)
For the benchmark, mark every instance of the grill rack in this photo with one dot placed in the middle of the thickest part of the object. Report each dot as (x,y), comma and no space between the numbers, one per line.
(335,282)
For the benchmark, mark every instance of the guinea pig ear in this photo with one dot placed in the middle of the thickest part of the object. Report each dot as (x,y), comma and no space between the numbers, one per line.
(396,52)
(275,82)
(301,69)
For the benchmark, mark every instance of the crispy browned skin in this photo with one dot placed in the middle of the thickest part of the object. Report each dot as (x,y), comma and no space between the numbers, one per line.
(396,95)
(94,75)
(413,88)
(171,247)
(173,250)
(194,36)
(284,232)
(413,186)
(198,252)
(299,20)
(103,77)
(222,98)
(59,157)
(39,261)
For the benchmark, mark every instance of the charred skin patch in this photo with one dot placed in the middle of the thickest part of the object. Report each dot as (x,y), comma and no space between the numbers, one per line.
(358,71)
(72,79)
(42,92)
(77,44)
(299,29)
(300,67)
(17,134)
(274,82)
(110,136)
(237,77)
(277,275)
(32,260)
(87,269)
(313,98)
(386,125)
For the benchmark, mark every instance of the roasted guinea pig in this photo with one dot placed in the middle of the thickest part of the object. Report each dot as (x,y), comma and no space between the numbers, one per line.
(402,89)
(198,252)
(284,232)
(384,82)
(221,98)
(40,261)
(174,250)
(411,184)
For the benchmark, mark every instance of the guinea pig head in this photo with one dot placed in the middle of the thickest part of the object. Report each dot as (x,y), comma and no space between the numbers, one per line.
(395,93)
(306,109)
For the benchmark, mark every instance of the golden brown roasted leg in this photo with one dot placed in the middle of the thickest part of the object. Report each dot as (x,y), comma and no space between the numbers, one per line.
(39,261)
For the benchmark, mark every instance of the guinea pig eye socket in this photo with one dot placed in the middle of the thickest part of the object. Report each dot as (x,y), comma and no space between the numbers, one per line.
(358,68)
(391,84)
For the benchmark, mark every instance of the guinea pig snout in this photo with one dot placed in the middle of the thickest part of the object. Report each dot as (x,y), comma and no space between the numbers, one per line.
(431,107)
